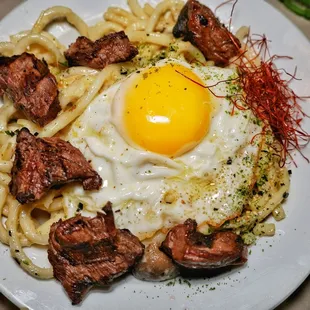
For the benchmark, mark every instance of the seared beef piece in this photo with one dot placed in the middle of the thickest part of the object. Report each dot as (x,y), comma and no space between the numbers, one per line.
(90,251)
(30,85)
(198,24)
(155,265)
(192,249)
(112,48)
(40,164)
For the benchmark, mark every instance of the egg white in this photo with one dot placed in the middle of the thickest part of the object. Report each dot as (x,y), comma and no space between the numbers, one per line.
(151,192)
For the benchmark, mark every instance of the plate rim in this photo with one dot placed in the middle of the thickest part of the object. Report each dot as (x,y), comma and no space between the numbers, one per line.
(14,299)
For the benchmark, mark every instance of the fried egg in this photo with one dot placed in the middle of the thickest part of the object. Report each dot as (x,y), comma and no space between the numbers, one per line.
(169,146)
(161,111)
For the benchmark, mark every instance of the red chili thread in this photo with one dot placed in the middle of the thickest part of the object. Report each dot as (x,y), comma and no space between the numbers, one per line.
(232,9)
(222,4)
(208,87)
(267,94)
(269,97)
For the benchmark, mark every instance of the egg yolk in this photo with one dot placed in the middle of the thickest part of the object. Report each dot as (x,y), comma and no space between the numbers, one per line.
(165,112)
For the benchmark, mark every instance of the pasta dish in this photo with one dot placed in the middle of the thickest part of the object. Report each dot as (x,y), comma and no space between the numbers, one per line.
(155,143)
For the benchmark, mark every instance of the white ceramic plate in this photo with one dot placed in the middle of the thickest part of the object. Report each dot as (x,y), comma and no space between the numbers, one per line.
(276,266)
